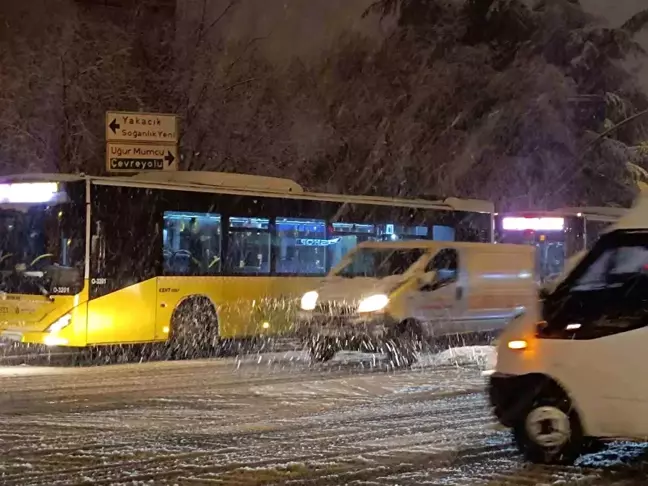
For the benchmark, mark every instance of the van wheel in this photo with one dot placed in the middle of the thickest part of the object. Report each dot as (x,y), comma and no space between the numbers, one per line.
(323,349)
(194,329)
(549,431)
(404,344)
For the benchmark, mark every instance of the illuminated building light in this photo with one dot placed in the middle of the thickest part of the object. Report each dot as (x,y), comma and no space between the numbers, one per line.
(535,224)
(29,192)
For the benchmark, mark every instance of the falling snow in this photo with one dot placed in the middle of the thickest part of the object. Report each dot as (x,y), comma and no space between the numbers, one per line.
(272,419)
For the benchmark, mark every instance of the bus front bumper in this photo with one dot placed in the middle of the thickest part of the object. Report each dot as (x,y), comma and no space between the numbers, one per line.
(372,325)
(32,337)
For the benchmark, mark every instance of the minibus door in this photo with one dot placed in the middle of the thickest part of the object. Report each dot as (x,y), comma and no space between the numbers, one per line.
(601,314)
(437,301)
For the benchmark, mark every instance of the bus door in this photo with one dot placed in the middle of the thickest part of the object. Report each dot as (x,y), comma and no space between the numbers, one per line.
(125,260)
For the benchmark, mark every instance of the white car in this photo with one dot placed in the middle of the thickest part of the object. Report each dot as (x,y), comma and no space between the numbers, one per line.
(574,369)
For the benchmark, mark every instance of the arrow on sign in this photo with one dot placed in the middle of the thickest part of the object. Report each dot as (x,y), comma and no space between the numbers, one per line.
(169,158)
(114,126)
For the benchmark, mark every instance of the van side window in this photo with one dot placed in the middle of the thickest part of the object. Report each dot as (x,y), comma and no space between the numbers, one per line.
(608,297)
(613,268)
(594,276)
(446,264)
(628,262)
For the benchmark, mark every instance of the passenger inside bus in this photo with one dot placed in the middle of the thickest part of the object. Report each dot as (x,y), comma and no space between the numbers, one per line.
(192,243)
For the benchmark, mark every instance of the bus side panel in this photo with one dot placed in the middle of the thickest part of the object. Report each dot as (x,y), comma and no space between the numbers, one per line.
(243,304)
(171,291)
(281,305)
(126,315)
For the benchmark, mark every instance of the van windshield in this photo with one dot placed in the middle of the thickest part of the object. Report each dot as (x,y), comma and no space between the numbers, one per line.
(380,262)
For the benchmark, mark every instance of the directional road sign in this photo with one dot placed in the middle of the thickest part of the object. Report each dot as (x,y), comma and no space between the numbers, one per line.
(141,127)
(135,157)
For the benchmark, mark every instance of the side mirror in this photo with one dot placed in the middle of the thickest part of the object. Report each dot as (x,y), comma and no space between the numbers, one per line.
(65,277)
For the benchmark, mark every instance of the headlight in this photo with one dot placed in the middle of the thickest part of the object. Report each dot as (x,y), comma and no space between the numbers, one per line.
(373,303)
(309,300)
(60,323)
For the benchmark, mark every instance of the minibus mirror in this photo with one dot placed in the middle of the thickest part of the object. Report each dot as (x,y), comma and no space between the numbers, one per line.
(541,326)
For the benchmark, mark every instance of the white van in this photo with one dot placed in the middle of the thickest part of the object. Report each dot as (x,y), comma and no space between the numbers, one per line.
(388,295)
(574,370)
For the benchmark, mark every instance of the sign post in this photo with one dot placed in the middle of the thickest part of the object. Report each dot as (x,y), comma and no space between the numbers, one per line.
(141,142)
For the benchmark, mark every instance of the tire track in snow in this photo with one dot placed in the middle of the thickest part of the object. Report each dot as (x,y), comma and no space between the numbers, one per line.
(247,424)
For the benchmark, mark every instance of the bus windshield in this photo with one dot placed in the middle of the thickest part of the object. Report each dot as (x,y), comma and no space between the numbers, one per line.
(380,262)
(41,249)
(551,250)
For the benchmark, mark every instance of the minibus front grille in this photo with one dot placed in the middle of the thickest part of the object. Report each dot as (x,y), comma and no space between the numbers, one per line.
(333,309)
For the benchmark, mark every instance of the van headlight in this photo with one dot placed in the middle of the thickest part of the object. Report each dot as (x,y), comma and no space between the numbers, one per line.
(309,300)
(373,303)
(60,323)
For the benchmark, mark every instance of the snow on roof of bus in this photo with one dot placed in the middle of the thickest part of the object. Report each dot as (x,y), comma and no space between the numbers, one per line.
(224,181)
(198,178)
(595,210)
(44,177)
(221,179)
(606,211)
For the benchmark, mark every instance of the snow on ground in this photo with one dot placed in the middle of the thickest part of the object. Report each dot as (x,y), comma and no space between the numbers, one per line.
(480,356)
(272,419)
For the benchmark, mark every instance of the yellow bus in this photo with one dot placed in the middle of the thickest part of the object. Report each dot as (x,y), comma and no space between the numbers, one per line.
(186,257)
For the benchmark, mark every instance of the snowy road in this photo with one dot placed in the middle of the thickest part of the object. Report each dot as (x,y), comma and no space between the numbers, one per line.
(272,419)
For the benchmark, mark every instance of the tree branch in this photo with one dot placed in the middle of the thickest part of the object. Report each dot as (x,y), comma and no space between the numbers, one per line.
(590,146)
(637,22)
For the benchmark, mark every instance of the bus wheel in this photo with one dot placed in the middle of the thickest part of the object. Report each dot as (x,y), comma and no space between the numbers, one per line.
(549,431)
(403,343)
(323,349)
(194,329)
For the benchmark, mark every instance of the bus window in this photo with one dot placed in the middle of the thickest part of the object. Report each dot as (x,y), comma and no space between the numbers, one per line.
(443,233)
(248,249)
(301,246)
(551,256)
(393,232)
(345,237)
(191,243)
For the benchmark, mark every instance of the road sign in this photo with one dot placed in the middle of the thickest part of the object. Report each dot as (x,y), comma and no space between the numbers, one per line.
(141,127)
(135,157)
